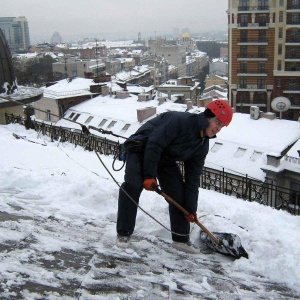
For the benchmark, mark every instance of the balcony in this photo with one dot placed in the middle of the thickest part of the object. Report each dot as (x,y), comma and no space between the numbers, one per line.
(248,8)
(252,87)
(258,41)
(242,72)
(258,57)
(253,25)
(292,57)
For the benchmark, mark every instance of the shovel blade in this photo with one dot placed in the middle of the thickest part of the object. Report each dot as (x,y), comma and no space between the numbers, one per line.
(230,244)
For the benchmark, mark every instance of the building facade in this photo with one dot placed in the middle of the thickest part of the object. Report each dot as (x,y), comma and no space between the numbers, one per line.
(172,51)
(16,32)
(264,54)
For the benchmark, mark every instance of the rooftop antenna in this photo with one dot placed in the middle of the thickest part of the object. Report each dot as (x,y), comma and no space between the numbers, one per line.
(96,53)
(66,69)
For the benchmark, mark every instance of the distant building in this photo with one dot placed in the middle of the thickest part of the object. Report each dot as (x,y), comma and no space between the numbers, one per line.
(172,51)
(212,80)
(12,97)
(181,90)
(16,32)
(56,38)
(218,67)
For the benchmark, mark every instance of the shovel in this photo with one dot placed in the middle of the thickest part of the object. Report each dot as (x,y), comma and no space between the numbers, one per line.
(225,243)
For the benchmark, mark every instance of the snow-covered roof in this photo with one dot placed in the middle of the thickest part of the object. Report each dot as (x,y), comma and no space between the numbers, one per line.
(119,111)
(241,148)
(69,88)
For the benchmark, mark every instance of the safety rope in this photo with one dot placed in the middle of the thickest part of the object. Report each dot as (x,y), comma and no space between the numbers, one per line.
(86,131)
(144,211)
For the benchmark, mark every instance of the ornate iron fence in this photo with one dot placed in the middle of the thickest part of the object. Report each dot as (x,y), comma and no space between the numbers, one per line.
(245,188)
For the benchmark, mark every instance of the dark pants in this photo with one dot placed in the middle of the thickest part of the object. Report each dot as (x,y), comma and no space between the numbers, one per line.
(171,182)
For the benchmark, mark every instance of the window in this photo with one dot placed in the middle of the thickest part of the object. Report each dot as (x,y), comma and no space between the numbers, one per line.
(279,65)
(281,2)
(279,49)
(292,84)
(88,120)
(48,115)
(243,83)
(71,115)
(262,35)
(102,122)
(243,51)
(262,19)
(255,155)
(280,16)
(244,20)
(260,83)
(263,3)
(111,124)
(294,35)
(280,33)
(240,152)
(216,147)
(278,82)
(293,53)
(243,67)
(125,128)
(295,19)
(261,97)
(262,52)
(76,117)
(293,66)
(261,67)
(244,35)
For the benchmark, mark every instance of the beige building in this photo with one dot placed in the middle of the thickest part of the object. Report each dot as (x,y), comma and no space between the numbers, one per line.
(173,52)
(264,54)
(184,89)
(212,80)
(68,67)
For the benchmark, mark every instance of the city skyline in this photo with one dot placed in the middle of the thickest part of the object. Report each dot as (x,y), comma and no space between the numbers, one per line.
(116,19)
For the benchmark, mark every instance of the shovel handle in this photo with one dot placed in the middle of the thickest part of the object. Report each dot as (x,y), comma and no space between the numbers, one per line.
(186,213)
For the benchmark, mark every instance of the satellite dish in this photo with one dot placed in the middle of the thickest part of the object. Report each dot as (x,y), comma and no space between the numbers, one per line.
(281,104)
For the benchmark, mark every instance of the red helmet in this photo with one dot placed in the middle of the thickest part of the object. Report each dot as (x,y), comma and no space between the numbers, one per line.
(222,110)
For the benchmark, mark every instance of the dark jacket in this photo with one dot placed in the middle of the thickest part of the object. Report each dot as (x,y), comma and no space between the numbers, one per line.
(175,136)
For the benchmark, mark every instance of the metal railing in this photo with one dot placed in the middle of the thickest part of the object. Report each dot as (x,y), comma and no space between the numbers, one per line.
(268,194)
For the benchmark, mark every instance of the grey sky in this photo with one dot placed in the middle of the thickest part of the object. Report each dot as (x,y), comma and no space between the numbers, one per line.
(105,19)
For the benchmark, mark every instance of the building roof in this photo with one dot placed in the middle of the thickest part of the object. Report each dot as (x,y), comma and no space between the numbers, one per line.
(241,148)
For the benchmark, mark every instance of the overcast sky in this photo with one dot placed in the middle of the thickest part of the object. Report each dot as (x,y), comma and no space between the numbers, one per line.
(105,19)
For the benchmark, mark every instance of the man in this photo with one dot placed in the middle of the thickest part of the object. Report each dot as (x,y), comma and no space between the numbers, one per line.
(153,152)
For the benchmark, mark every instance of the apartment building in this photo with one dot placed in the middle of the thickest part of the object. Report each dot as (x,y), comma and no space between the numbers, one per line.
(264,54)
(16,32)
(172,51)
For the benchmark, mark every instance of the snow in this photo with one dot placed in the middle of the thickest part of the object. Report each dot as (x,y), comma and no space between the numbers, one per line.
(258,138)
(65,184)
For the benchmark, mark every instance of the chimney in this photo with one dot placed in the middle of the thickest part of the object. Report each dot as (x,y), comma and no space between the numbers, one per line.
(122,94)
(105,90)
(143,97)
(189,104)
(161,100)
(145,113)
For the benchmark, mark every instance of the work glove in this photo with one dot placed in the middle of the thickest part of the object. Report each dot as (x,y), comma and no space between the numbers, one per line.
(150,184)
(192,217)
